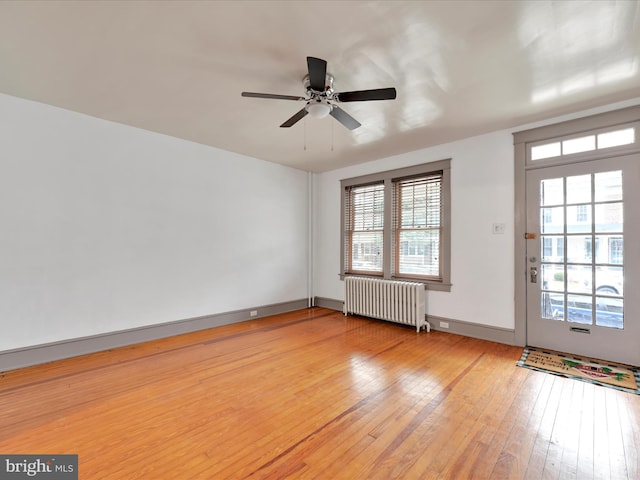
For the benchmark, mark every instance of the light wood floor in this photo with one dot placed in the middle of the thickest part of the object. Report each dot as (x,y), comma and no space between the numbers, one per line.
(315,395)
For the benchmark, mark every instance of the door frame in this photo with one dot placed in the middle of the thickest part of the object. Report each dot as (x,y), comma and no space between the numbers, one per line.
(522,141)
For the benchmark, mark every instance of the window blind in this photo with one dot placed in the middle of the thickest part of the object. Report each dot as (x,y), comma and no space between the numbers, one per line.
(417,226)
(364,228)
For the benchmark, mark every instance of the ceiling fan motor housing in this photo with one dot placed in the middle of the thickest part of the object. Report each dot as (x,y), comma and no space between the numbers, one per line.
(328,87)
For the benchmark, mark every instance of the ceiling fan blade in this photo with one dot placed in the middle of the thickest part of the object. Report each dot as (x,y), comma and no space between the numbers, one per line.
(271,95)
(317,73)
(295,119)
(366,95)
(344,118)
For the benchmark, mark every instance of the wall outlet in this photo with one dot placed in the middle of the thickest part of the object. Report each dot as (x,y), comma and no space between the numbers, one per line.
(253,313)
(498,228)
(444,324)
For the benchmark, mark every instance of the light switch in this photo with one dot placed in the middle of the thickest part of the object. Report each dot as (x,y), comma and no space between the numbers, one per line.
(498,228)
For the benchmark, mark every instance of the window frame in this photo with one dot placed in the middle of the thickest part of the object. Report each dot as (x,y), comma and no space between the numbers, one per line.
(389,178)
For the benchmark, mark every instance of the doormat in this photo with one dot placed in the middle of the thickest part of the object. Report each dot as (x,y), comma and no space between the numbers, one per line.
(620,377)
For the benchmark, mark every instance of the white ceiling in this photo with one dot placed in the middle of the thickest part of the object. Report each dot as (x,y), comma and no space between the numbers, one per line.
(460,68)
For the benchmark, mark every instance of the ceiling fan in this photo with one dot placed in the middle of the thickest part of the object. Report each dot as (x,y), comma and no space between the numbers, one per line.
(321,98)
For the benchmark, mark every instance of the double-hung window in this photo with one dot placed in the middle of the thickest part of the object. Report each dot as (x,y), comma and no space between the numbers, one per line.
(396,224)
(365,234)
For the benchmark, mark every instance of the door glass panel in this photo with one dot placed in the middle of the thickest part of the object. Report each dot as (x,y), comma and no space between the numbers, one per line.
(608,186)
(614,250)
(553,306)
(552,248)
(552,220)
(553,277)
(608,249)
(552,192)
(579,218)
(580,309)
(579,248)
(609,280)
(609,312)
(579,278)
(608,217)
(579,189)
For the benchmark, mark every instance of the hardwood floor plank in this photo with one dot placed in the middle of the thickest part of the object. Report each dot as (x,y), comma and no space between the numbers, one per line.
(559,433)
(601,467)
(630,436)
(617,459)
(571,433)
(586,441)
(537,461)
(315,395)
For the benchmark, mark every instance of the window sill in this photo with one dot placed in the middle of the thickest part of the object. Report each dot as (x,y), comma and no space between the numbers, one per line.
(428,285)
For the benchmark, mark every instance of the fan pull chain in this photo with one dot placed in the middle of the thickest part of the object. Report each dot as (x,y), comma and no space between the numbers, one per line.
(305,135)
(332,136)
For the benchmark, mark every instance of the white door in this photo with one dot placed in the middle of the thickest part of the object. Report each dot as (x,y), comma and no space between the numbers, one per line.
(583,258)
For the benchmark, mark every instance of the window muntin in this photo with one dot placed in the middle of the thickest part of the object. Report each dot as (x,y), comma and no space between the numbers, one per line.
(414,219)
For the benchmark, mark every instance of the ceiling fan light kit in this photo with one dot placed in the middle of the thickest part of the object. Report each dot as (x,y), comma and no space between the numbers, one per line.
(318,109)
(321,98)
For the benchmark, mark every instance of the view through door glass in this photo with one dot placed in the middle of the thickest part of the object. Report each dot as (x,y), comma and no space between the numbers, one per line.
(582,238)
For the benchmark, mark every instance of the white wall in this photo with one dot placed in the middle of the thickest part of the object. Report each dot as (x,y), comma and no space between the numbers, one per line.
(105,227)
(482,174)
